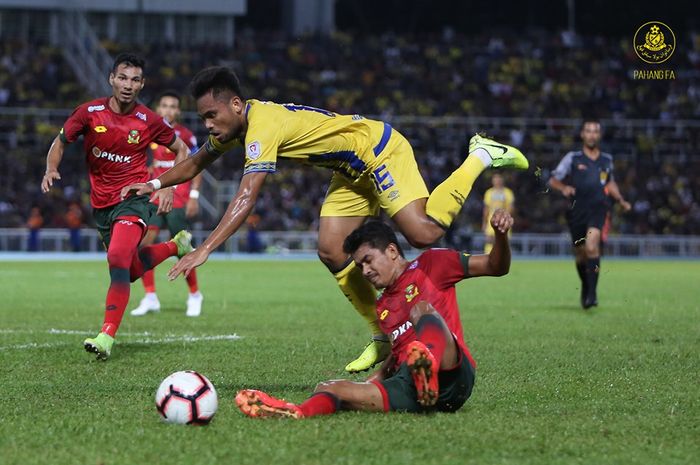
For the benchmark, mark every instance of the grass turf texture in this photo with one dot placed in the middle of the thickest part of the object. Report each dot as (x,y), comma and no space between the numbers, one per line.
(555,384)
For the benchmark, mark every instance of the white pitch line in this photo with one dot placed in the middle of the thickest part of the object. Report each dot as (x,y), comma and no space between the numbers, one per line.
(66,331)
(164,340)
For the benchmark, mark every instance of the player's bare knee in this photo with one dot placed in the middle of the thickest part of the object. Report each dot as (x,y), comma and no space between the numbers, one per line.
(419,310)
(424,238)
(333,259)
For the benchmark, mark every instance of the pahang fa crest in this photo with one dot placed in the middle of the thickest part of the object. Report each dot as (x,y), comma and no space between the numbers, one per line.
(134,136)
(654,42)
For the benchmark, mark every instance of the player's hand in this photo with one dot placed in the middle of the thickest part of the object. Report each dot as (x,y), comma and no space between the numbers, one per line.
(626,206)
(141,188)
(188,263)
(568,191)
(501,221)
(164,197)
(49,178)
(192,208)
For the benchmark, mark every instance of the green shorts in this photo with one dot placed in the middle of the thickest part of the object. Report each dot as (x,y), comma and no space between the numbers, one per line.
(175,221)
(138,205)
(455,388)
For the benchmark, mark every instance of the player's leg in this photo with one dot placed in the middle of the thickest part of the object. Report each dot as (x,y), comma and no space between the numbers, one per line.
(177,221)
(580,260)
(423,222)
(151,256)
(345,208)
(592,250)
(433,350)
(328,398)
(126,234)
(149,302)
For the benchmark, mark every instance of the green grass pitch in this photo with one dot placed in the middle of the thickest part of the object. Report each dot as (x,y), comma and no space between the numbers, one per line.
(555,385)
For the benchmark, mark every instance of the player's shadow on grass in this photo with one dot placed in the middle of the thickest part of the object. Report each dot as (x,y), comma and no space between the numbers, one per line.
(566,308)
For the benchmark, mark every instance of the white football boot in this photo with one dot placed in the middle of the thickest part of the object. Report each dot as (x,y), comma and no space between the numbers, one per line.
(149,303)
(194,304)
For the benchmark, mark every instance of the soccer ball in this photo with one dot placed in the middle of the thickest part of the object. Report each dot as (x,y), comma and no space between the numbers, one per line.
(186,398)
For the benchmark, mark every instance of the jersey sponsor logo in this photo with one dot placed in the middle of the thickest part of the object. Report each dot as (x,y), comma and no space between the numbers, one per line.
(141,116)
(97,153)
(100,129)
(393,195)
(581,166)
(92,108)
(384,314)
(411,292)
(134,136)
(253,151)
(400,331)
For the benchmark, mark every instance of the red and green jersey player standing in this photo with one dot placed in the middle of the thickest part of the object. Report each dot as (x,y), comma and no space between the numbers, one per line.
(116,131)
(430,367)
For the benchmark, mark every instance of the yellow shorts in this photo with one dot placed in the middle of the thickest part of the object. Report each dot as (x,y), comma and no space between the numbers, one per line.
(391,183)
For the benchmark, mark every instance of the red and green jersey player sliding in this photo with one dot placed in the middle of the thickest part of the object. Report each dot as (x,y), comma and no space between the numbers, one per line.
(430,367)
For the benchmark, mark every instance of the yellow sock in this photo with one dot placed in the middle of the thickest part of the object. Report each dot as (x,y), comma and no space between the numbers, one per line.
(361,295)
(447,199)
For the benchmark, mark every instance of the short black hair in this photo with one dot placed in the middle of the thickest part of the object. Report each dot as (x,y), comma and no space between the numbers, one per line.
(168,93)
(374,233)
(129,59)
(217,80)
(590,120)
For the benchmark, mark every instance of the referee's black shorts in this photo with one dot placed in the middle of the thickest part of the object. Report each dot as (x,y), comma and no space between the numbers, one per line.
(582,217)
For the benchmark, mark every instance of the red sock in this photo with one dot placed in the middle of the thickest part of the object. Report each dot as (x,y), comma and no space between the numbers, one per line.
(430,330)
(126,236)
(192,281)
(149,257)
(149,281)
(321,403)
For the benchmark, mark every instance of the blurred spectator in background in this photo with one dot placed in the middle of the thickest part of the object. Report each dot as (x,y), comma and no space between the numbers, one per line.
(497,197)
(34,223)
(74,221)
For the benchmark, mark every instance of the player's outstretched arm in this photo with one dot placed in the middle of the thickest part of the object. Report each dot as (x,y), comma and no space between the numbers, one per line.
(496,263)
(53,159)
(238,210)
(181,172)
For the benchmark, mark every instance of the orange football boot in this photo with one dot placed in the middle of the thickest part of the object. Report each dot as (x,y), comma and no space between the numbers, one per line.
(257,404)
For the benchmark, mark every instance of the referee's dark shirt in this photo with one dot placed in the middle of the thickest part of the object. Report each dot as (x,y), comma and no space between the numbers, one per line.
(587,176)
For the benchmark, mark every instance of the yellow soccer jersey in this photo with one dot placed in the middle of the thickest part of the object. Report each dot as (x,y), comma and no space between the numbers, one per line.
(498,198)
(348,144)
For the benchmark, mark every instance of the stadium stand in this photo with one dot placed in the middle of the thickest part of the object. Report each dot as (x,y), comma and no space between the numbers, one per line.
(527,89)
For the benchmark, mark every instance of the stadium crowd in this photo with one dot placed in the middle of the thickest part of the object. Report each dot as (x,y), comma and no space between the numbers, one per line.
(528,75)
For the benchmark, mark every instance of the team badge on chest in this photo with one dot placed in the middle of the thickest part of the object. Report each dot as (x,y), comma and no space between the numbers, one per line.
(134,136)
(411,292)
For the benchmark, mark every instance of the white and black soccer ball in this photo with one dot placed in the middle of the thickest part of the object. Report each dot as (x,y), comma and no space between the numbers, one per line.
(187,398)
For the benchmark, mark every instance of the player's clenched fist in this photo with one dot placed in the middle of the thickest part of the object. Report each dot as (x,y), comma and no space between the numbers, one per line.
(501,221)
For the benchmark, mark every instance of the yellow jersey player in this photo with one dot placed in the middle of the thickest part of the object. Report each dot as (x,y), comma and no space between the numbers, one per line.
(496,197)
(374,168)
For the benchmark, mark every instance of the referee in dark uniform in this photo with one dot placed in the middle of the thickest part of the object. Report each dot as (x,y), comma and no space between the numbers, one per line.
(589,173)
